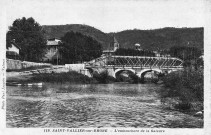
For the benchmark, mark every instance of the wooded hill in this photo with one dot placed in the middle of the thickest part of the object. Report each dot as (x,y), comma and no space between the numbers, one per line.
(58,31)
(155,39)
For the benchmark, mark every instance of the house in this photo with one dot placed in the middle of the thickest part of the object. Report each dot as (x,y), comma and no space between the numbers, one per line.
(13,51)
(157,53)
(161,53)
(53,55)
(113,46)
(138,47)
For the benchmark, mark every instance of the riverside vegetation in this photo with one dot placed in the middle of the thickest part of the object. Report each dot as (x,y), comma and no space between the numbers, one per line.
(184,90)
(72,77)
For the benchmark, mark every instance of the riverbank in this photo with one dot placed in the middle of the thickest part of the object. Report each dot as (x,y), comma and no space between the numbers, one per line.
(14,76)
(71,77)
(62,75)
(184,91)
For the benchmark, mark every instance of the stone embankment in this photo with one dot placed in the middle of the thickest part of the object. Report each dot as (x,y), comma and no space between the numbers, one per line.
(18,64)
(55,74)
(54,69)
(14,77)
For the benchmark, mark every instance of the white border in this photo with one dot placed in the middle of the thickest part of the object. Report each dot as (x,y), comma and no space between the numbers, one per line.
(32,131)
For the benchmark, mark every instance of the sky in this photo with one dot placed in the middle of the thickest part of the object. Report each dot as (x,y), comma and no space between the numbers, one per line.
(111,15)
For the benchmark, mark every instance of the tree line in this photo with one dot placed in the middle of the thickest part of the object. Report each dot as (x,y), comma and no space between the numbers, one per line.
(190,55)
(132,52)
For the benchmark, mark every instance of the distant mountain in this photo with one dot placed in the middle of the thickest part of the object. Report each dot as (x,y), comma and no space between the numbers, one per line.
(161,38)
(149,39)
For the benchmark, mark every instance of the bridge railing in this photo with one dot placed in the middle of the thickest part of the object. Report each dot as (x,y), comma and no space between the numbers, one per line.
(136,61)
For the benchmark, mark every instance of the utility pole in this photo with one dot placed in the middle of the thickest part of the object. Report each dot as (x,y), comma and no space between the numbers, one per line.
(57,59)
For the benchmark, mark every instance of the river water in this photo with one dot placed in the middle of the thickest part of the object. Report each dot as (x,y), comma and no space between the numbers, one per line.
(92,105)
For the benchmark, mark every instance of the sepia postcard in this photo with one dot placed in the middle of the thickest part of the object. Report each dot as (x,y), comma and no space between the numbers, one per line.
(105,67)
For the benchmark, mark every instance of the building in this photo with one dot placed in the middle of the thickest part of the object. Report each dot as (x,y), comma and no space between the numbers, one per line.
(113,46)
(138,47)
(157,53)
(53,55)
(13,51)
(161,53)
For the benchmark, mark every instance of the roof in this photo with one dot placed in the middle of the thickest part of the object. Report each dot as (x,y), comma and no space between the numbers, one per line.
(108,51)
(137,44)
(156,52)
(53,41)
(13,43)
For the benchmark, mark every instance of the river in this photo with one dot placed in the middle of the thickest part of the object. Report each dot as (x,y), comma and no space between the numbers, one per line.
(92,105)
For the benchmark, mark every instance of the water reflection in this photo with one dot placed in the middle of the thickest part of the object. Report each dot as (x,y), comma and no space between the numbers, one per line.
(101,105)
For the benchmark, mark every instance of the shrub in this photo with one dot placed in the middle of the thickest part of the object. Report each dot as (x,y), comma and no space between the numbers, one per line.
(186,85)
(103,77)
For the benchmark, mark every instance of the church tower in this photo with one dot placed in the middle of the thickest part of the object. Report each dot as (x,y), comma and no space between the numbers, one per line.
(115,44)
(112,47)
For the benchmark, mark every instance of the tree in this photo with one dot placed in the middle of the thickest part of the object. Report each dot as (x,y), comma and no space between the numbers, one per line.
(29,36)
(78,48)
(132,52)
(185,53)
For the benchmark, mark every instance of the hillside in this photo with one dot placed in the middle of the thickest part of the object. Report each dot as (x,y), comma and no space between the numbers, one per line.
(58,31)
(149,39)
(161,38)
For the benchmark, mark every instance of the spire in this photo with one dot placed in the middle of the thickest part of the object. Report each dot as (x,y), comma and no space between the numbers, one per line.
(115,43)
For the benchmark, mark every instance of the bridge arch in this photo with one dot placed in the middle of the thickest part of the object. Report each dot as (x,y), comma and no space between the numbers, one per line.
(142,73)
(119,71)
(93,71)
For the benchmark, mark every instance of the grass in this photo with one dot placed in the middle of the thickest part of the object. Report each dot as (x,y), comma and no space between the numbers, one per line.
(187,87)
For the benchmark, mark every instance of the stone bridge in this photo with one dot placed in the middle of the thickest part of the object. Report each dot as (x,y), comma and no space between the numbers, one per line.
(138,65)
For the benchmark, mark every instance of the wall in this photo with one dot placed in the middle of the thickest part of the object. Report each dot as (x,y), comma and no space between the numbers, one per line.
(27,64)
(75,67)
(17,64)
(14,64)
(80,68)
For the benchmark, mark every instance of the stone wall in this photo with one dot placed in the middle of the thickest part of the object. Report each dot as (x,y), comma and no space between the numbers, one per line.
(80,68)
(14,64)
(17,64)
(75,67)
